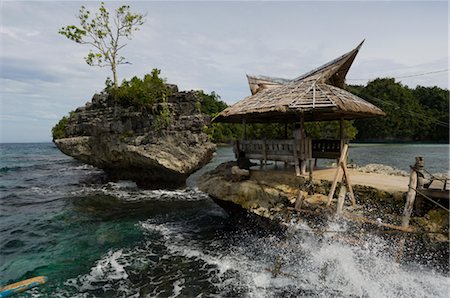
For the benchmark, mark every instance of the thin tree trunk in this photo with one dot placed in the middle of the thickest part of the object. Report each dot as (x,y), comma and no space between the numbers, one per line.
(113,68)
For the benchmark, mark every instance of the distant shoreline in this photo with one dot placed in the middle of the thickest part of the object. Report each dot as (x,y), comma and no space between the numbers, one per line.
(228,144)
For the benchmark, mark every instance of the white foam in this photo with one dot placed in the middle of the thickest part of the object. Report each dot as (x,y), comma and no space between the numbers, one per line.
(178,286)
(110,268)
(128,191)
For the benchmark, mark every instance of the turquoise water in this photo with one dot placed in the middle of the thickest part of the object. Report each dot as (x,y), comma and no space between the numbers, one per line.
(401,156)
(95,238)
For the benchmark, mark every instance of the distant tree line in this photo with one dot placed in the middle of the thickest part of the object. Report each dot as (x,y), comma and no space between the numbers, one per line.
(227,132)
(419,114)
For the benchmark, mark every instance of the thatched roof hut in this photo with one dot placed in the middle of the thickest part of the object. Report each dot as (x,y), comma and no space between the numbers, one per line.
(314,96)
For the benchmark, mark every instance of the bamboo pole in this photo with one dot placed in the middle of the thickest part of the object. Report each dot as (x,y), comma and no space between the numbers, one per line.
(336,176)
(341,198)
(374,222)
(348,182)
(297,167)
(341,129)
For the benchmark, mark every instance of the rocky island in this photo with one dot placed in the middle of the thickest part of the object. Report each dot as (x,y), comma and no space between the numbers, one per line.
(156,145)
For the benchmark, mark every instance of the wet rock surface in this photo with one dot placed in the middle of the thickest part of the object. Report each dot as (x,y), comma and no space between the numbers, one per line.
(128,143)
(274,195)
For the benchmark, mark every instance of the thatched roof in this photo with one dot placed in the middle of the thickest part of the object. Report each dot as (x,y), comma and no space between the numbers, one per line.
(315,95)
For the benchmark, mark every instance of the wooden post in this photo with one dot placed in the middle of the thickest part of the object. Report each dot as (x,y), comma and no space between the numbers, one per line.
(297,167)
(310,165)
(285,131)
(341,129)
(419,201)
(346,176)
(299,201)
(302,146)
(341,198)
(264,153)
(420,163)
(410,197)
(245,129)
(336,176)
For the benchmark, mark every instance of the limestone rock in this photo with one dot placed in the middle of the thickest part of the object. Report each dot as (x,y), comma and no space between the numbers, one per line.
(127,143)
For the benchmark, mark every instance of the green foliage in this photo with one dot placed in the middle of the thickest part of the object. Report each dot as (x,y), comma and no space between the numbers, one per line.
(164,118)
(104,34)
(419,114)
(58,131)
(218,132)
(330,130)
(140,92)
(210,103)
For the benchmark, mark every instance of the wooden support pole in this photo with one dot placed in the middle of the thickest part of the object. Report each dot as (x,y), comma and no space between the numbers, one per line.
(341,198)
(265,153)
(336,176)
(237,149)
(297,167)
(245,129)
(303,167)
(420,164)
(346,176)
(341,129)
(410,197)
(299,201)
(302,146)
(310,165)
(374,222)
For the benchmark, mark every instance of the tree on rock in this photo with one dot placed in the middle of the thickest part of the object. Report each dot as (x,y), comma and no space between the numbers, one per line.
(104,35)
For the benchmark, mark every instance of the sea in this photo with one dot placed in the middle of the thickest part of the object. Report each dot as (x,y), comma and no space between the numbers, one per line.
(93,238)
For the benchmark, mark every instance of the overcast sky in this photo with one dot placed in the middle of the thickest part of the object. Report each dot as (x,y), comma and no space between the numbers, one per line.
(210,46)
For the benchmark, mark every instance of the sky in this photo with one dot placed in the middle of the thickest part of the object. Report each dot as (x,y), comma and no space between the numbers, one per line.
(210,45)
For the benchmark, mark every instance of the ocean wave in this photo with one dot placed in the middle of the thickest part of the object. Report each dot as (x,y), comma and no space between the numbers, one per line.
(59,166)
(305,264)
(10,169)
(128,191)
(110,268)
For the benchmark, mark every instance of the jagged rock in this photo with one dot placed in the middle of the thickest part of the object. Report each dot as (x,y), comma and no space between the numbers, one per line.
(274,194)
(127,143)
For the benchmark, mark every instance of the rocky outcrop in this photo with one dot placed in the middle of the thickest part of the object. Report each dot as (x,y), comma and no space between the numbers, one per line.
(135,143)
(273,194)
